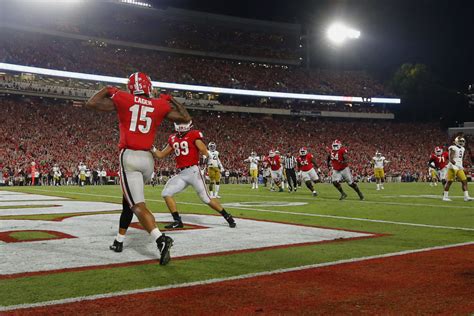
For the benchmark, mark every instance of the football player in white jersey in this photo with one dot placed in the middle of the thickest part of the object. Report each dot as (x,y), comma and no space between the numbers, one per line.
(214,169)
(56,175)
(253,161)
(82,173)
(456,169)
(379,161)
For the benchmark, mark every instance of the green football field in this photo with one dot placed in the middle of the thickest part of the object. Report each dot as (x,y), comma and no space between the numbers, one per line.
(403,217)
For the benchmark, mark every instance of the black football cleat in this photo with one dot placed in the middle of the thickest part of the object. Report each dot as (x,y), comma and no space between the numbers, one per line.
(116,246)
(174,225)
(231,221)
(361,196)
(343,196)
(164,244)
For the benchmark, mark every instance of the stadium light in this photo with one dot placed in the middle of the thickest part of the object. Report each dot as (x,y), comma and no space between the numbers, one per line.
(338,33)
(137,3)
(188,87)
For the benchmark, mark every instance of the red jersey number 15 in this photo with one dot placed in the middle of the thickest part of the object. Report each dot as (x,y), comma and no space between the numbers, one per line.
(140,118)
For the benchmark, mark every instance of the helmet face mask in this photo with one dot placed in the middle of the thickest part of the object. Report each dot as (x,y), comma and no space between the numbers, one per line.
(438,151)
(336,145)
(303,151)
(212,146)
(271,154)
(378,154)
(460,141)
(183,127)
(253,154)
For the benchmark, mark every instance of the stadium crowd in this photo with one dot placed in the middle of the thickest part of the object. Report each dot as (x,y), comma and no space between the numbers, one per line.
(99,58)
(47,132)
(134,25)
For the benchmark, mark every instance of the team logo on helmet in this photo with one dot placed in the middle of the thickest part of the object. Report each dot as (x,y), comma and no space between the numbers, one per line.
(460,141)
(336,145)
(212,146)
(438,151)
(303,151)
(139,83)
(183,127)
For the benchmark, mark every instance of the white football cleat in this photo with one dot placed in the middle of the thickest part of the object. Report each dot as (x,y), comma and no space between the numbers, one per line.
(446,199)
(468,199)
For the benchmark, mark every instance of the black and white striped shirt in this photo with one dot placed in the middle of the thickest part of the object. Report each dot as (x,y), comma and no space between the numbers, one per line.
(289,162)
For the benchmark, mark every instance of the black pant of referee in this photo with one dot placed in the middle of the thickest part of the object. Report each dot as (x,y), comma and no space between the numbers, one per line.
(291,178)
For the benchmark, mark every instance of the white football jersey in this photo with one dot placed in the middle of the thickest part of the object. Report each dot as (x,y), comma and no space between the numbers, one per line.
(82,169)
(253,162)
(213,159)
(56,171)
(458,154)
(379,162)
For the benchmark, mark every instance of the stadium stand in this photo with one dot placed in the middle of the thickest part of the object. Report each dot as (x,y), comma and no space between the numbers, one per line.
(98,58)
(190,31)
(48,131)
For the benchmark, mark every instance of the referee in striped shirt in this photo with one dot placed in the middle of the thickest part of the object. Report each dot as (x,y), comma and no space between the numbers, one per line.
(289,164)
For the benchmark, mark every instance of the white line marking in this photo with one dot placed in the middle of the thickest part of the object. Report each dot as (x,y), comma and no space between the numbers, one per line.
(297,213)
(217,280)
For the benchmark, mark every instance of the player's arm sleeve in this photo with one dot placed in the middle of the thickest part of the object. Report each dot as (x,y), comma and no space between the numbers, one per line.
(328,161)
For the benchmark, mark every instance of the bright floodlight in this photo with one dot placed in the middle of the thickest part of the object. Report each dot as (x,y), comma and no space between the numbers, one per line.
(338,33)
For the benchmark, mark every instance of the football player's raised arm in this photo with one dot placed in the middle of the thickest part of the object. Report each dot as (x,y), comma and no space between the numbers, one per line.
(179,114)
(101,101)
(202,147)
(160,154)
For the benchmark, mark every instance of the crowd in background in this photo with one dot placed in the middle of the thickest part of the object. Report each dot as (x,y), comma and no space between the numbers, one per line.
(135,25)
(51,132)
(99,58)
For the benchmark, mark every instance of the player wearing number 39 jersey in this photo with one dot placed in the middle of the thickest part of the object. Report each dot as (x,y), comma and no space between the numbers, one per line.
(186,145)
(139,115)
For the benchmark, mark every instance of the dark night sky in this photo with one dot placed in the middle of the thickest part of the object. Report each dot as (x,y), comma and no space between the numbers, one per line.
(434,32)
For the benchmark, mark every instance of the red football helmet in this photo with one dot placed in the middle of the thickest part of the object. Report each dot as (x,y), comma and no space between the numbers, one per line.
(303,151)
(438,151)
(139,83)
(336,145)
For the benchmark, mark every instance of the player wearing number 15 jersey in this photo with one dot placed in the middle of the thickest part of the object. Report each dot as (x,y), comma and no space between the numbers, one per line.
(139,115)
(187,144)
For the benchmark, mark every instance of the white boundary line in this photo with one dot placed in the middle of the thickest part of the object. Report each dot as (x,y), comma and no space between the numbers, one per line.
(217,280)
(294,213)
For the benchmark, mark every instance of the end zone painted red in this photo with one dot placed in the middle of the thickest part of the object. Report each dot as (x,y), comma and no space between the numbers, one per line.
(433,282)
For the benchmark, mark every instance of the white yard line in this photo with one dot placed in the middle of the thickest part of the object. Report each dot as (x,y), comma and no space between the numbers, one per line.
(217,280)
(292,213)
